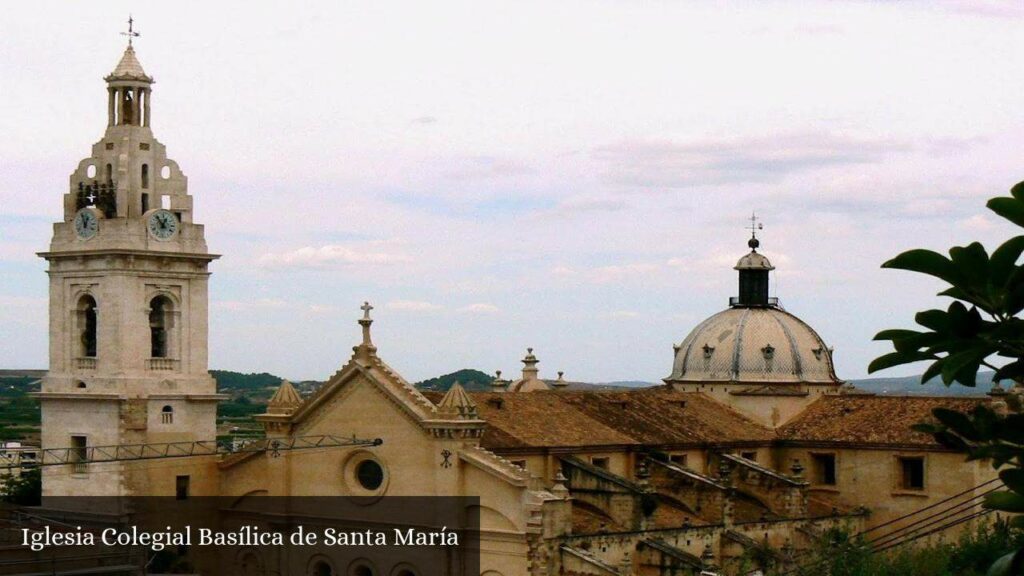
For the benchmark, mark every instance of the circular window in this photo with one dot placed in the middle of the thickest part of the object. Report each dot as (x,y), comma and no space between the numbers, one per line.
(369,474)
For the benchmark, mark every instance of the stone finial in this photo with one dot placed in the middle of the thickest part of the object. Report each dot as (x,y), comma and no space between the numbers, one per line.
(530,362)
(457,403)
(643,472)
(797,468)
(559,489)
(626,565)
(707,557)
(560,383)
(498,385)
(285,400)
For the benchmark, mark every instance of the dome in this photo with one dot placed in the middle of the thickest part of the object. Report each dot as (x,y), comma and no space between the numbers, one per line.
(756,346)
(754,261)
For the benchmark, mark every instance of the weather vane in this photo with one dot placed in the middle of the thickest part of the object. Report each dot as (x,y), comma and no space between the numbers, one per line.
(131,33)
(754,227)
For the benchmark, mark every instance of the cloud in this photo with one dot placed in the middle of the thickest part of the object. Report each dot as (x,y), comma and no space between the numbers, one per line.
(485,167)
(331,255)
(668,163)
(577,205)
(624,314)
(976,223)
(480,308)
(986,8)
(423,120)
(413,306)
(244,305)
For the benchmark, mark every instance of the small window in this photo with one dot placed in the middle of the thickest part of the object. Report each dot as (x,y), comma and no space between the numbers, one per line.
(167,415)
(752,456)
(322,569)
(912,473)
(679,459)
(600,461)
(520,463)
(79,453)
(369,474)
(181,486)
(145,175)
(145,202)
(824,469)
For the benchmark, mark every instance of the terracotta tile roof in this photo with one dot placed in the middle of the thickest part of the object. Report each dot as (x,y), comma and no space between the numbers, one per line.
(874,420)
(576,418)
(540,418)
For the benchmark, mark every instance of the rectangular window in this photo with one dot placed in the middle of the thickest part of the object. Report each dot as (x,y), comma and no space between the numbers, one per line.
(79,454)
(679,459)
(752,456)
(600,461)
(145,203)
(912,473)
(520,463)
(824,469)
(181,487)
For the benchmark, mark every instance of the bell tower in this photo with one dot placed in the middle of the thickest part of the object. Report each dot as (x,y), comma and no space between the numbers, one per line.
(128,272)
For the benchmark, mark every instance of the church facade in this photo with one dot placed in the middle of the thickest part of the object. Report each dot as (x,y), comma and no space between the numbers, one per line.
(751,449)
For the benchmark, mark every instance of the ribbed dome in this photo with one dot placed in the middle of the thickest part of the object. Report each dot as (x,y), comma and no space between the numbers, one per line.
(756,346)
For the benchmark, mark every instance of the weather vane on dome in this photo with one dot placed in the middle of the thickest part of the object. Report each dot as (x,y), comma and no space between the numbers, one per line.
(754,227)
(131,33)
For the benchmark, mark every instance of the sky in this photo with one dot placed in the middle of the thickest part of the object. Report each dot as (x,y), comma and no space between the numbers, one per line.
(571,176)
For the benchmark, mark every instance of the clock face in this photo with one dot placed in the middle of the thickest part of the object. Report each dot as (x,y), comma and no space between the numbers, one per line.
(86,223)
(162,224)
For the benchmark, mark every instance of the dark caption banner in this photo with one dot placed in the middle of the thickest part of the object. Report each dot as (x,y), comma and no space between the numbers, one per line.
(254,535)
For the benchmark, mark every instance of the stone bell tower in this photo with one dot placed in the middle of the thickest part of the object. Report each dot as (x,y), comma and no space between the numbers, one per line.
(128,307)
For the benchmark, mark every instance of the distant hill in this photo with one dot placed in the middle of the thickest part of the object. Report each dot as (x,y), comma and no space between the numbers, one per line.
(230,381)
(469,378)
(911,385)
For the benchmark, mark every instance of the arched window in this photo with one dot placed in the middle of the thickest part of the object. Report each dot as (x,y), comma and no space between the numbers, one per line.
(363,570)
(167,415)
(145,175)
(87,326)
(160,309)
(250,565)
(322,568)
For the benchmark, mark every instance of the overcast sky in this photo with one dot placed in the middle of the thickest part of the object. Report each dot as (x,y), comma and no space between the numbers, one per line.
(571,176)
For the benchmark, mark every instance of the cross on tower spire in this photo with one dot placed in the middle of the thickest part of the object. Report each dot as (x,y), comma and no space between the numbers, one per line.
(131,33)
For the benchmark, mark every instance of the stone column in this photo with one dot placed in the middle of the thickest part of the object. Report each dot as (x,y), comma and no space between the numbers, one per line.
(119,105)
(149,96)
(110,106)
(138,107)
